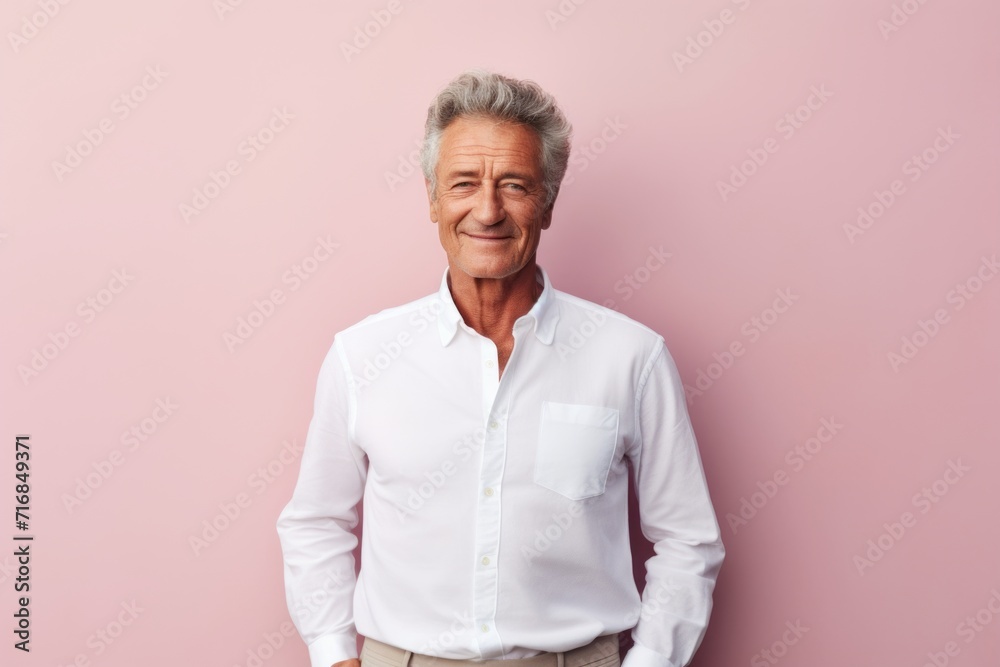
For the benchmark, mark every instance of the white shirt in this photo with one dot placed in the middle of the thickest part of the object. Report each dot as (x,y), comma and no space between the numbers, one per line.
(495,510)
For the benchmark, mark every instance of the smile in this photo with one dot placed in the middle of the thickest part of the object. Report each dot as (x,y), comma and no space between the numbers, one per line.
(487,238)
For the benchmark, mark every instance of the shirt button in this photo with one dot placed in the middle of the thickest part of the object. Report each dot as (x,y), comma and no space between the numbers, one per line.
(486,560)
(489,363)
(494,424)
(488,490)
(484,627)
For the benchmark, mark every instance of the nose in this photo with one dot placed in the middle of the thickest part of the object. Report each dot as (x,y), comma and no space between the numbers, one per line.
(488,206)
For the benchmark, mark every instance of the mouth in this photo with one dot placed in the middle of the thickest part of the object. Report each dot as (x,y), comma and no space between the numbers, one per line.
(483,237)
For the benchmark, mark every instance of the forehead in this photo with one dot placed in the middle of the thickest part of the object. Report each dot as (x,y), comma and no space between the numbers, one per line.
(478,139)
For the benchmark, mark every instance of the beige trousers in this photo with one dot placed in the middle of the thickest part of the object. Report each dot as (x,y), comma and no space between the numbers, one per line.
(602,652)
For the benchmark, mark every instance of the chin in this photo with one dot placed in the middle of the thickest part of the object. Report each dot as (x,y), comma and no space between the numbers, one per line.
(487,267)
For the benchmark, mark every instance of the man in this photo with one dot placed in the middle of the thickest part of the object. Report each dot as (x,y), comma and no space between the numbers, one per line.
(488,429)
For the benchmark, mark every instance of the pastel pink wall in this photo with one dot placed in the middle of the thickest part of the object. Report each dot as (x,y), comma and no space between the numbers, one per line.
(666,120)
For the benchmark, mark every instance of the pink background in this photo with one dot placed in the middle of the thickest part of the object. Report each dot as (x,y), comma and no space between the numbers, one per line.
(681,130)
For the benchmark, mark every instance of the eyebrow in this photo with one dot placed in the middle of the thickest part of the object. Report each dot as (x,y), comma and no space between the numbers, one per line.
(466,173)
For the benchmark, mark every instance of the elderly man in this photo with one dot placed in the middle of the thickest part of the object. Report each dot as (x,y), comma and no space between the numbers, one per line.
(488,428)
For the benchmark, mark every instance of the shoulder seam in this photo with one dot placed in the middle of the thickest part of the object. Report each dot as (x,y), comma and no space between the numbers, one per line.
(352,399)
(647,369)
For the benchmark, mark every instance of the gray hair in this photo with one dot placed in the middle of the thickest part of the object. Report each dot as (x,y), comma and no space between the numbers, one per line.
(478,92)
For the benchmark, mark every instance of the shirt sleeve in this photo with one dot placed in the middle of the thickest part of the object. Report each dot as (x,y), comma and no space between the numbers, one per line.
(315,526)
(676,515)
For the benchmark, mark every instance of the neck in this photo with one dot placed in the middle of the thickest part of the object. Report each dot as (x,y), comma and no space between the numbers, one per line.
(492,305)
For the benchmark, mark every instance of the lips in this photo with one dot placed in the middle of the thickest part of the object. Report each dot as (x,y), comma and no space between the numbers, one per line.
(486,238)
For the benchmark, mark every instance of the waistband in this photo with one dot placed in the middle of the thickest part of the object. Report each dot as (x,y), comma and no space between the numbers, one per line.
(597,653)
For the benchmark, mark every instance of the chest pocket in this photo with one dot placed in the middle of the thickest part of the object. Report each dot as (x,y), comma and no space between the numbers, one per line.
(576,444)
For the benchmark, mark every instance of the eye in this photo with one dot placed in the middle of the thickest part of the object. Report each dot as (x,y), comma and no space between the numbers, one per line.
(516,187)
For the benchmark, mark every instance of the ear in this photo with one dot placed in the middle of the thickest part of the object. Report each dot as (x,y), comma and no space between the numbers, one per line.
(431,202)
(547,216)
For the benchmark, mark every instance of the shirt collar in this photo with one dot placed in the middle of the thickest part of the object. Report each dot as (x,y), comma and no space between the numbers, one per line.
(543,313)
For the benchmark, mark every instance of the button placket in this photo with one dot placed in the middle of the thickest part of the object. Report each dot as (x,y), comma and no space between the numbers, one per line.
(488,508)
(491,383)
(496,404)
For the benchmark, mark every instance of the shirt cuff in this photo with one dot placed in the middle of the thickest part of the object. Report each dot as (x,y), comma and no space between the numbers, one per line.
(329,649)
(641,656)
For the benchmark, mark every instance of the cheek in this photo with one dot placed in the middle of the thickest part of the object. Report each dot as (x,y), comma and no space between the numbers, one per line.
(529,216)
(445,233)
(450,211)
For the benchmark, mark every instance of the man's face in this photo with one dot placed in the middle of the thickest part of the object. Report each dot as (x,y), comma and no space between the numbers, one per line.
(490,204)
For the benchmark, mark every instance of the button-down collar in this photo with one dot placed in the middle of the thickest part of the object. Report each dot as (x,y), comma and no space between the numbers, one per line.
(543,313)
